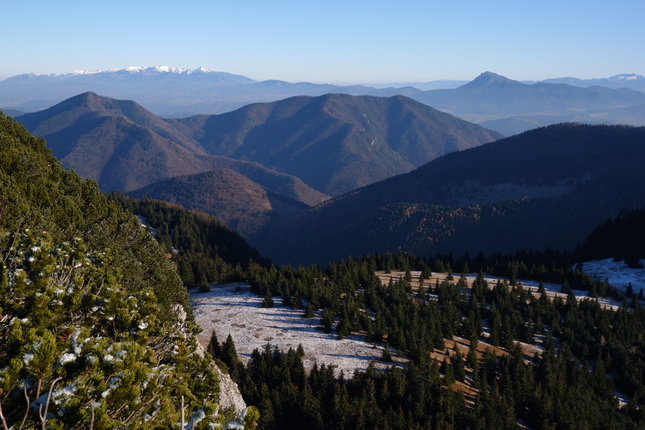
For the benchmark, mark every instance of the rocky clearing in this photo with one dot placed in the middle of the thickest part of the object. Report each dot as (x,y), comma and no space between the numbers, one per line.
(233,309)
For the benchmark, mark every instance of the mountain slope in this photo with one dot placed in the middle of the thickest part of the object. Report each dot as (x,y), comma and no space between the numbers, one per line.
(544,188)
(92,326)
(123,146)
(336,143)
(238,202)
(115,142)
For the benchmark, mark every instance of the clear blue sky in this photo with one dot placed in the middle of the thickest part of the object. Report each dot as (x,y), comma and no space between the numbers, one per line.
(329,41)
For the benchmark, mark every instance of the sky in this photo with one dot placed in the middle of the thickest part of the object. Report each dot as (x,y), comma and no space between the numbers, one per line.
(339,42)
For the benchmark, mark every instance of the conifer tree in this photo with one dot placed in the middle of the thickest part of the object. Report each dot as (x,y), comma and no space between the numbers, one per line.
(267,302)
(448,373)
(458,365)
(387,356)
(214,347)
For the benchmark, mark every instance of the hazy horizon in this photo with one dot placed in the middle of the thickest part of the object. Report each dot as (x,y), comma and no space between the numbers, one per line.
(331,42)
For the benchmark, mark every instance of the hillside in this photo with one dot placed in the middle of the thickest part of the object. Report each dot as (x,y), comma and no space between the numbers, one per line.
(336,143)
(332,143)
(561,180)
(122,146)
(238,202)
(115,142)
(92,327)
(205,251)
(621,238)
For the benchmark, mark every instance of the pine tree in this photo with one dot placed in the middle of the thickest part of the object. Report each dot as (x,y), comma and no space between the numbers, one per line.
(229,355)
(267,302)
(458,365)
(343,328)
(448,373)
(214,347)
(327,320)
(309,311)
(387,356)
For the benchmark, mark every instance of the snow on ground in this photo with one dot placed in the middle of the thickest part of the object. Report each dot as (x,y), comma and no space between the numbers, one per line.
(617,273)
(551,289)
(233,309)
(144,223)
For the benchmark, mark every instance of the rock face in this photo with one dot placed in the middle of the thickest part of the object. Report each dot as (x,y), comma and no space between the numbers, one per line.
(229,393)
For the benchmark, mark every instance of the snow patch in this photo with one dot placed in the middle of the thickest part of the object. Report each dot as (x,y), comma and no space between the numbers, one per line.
(617,273)
(67,358)
(233,309)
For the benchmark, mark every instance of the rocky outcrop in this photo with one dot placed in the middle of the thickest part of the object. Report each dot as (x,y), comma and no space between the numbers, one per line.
(229,393)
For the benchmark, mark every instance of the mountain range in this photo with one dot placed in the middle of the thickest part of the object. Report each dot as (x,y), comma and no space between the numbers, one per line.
(167,91)
(546,188)
(302,148)
(491,100)
(122,146)
(627,80)
(511,107)
(336,142)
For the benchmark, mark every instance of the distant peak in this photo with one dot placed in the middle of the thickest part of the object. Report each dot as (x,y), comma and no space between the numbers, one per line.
(489,75)
(489,79)
(83,72)
(88,95)
(628,77)
(152,69)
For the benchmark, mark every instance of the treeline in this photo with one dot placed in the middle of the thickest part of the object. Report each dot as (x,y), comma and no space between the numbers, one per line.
(205,250)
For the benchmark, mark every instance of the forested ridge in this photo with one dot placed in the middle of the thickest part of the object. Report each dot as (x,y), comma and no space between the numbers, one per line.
(562,181)
(620,238)
(91,332)
(205,251)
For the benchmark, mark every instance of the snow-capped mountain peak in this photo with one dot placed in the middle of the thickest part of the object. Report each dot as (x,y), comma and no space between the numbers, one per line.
(140,70)
(78,72)
(630,77)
